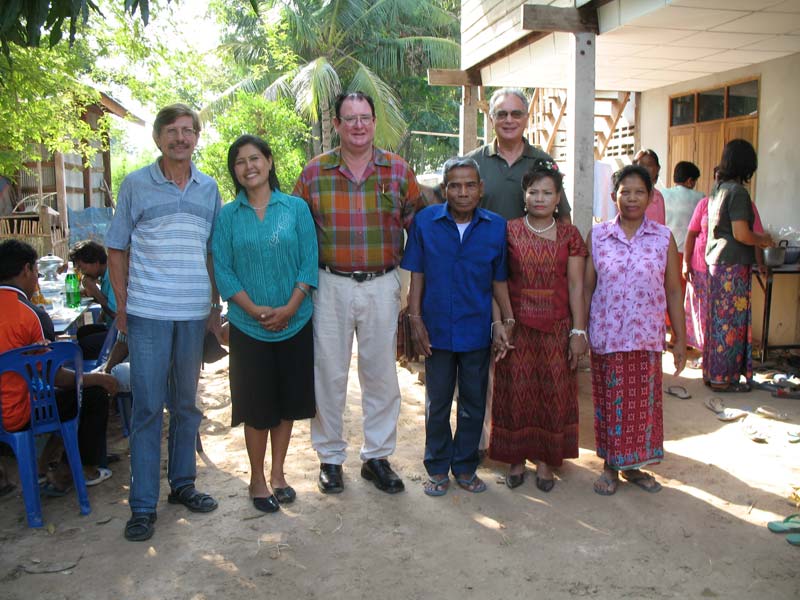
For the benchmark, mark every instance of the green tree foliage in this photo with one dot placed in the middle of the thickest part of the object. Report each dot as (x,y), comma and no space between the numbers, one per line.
(330,46)
(42,103)
(276,122)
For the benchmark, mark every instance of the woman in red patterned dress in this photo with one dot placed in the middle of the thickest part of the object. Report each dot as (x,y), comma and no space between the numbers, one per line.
(535,394)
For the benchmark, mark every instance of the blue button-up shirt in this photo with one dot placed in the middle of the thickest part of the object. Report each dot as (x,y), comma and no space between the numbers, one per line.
(457,299)
(266,259)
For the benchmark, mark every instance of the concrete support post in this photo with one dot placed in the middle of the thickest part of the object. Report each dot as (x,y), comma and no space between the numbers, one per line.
(468,120)
(580,112)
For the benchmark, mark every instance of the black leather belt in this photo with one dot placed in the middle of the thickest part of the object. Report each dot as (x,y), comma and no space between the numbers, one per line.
(359,276)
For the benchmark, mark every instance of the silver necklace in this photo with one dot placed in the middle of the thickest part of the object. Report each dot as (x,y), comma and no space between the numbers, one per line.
(534,230)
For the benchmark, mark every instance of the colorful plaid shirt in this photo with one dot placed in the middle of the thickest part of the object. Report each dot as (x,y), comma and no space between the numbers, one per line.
(360,224)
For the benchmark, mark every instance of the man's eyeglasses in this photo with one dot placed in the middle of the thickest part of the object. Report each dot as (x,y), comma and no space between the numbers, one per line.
(502,115)
(172,132)
(351,120)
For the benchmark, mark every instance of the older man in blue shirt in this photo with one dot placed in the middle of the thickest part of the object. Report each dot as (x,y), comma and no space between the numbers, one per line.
(456,253)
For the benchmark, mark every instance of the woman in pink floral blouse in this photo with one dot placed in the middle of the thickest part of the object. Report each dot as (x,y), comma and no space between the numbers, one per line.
(632,277)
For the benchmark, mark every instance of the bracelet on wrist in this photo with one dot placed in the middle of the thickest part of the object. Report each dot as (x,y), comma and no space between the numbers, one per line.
(410,316)
(216,305)
(509,322)
(306,293)
(581,332)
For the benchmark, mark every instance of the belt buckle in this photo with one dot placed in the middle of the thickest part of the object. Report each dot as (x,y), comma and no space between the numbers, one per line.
(360,276)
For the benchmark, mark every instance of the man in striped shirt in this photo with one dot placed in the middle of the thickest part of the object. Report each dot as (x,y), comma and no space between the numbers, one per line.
(362,198)
(166,299)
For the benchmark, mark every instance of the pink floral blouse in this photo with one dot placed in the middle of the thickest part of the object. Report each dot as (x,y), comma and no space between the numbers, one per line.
(629,301)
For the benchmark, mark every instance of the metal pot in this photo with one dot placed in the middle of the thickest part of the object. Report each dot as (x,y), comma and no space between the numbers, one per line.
(48,266)
(774,257)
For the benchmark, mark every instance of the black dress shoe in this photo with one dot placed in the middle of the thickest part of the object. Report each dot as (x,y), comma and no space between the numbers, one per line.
(330,478)
(267,505)
(378,471)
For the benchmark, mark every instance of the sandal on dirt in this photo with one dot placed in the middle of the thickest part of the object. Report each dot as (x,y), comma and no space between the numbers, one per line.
(714,404)
(731,414)
(436,487)
(790,524)
(786,393)
(733,388)
(102,474)
(472,484)
(771,413)
(794,436)
(50,490)
(678,391)
(192,499)
(140,527)
(793,539)
(752,431)
(641,479)
(611,485)
(285,495)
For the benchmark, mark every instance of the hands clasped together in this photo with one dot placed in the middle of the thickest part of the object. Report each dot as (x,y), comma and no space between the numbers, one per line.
(272,319)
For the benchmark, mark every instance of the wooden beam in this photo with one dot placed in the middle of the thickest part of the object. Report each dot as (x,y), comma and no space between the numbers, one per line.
(453,77)
(549,19)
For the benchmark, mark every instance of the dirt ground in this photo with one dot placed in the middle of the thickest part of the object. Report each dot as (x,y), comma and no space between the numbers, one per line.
(703,536)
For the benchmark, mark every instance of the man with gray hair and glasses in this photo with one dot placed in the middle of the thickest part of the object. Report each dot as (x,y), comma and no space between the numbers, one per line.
(509,156)
(166,299)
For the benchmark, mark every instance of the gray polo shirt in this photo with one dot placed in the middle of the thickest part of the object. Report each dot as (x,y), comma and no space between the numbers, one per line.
(502,185)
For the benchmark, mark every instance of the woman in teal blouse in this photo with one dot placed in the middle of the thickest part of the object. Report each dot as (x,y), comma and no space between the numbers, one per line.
(265,265)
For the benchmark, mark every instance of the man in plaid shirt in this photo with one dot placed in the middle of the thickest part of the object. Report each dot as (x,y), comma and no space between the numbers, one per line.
(361,198)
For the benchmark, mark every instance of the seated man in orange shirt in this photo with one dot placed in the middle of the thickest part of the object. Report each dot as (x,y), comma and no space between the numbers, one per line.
(22,324)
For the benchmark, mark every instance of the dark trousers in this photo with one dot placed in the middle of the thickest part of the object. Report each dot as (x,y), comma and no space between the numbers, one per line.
(91,339)
(443,451)
(92,424)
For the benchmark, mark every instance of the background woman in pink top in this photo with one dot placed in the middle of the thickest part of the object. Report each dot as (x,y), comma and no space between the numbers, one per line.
(695,271)
(656,210)
(632,278)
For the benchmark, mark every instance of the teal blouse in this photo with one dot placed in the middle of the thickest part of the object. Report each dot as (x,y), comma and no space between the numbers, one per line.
(265,259)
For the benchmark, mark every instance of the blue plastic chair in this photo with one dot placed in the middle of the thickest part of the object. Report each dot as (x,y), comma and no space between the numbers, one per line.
(105,350)
(38,365)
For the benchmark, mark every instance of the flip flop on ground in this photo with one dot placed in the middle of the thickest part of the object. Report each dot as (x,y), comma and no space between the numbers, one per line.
(50,490)
(472,484)
(790,524)
(794,436)
(714,404)
(643,480)
(99,477)
(786,393)
(678,391)
(733,388)
(793,539)
(609,485)
(753,431)
(436,486)
(771,413)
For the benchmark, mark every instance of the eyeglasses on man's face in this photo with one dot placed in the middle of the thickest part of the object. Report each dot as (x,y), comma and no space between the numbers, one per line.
(351,120)
(175,132)
(502,115)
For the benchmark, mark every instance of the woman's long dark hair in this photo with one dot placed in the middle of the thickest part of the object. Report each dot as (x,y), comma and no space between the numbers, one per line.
(263,147)
(739,161)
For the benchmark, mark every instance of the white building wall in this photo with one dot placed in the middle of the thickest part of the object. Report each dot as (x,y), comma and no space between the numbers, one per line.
(778,177)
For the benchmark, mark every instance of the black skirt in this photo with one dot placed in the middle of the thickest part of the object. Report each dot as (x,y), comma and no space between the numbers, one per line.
(271,381)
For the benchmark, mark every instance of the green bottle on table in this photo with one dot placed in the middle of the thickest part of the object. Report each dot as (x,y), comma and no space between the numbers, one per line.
(72,289)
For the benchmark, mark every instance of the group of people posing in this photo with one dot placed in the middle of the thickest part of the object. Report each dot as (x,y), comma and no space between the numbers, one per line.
(500,282)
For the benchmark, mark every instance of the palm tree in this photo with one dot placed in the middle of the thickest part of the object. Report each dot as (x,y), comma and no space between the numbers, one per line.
(335,45)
